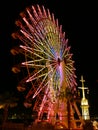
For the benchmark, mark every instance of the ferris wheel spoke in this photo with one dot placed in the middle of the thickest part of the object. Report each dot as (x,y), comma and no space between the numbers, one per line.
(39,35)
(70,65)
(56,77)
(40,87)
(38,72)
(66,52)
(31,78)
(32,65)
(31,18)
(70,77)
(28,49)
(46,48)
(44,51)
(34,62)
(21,38)
(29,25)
(24,31)
(71,70)
(35,13)
(27,35)
(69,80)
(68,73)
(68,83)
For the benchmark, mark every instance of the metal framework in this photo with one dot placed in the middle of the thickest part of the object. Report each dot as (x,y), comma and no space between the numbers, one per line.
(50,68)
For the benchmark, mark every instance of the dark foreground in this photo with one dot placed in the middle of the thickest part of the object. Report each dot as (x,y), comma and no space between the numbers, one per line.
(22,126)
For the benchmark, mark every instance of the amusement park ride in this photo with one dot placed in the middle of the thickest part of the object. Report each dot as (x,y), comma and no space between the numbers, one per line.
(50,74)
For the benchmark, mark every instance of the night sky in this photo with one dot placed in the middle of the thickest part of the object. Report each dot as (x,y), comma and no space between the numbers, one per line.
(79,21)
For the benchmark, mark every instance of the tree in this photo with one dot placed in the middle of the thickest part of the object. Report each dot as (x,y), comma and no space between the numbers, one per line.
(7,100)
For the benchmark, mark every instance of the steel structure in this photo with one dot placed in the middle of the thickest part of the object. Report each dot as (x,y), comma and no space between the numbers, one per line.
(50,68)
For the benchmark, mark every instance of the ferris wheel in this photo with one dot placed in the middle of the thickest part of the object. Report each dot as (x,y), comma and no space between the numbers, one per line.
(47,59)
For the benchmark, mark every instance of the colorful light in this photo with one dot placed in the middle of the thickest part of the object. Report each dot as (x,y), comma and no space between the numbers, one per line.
(47,55)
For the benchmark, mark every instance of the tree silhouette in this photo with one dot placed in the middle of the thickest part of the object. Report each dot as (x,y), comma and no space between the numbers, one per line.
(7,100)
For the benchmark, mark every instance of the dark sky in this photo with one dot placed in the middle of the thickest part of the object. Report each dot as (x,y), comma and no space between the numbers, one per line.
(79,21)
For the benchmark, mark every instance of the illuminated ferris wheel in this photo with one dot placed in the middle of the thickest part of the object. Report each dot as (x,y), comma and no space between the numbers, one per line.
(48,61)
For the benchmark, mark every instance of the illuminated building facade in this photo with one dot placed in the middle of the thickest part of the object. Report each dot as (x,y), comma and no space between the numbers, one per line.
(84,102)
